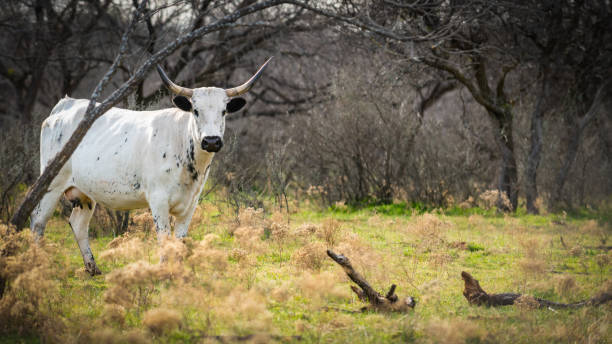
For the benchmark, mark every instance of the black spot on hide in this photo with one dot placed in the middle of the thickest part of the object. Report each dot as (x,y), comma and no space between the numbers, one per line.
(164,156)
(191,152)
(59,138)
(98,159)
(193,171)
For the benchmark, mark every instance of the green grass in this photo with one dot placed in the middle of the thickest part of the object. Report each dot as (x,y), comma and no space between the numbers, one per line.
(259,289)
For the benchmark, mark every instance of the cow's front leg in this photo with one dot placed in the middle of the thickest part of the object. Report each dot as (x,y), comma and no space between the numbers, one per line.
(181,224)
(161,218)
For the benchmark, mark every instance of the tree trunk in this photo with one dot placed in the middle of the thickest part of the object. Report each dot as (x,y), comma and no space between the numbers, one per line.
(508,177)
(602,97)
(533,160)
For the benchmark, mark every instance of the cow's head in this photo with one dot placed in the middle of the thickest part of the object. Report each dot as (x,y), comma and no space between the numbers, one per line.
(209,106)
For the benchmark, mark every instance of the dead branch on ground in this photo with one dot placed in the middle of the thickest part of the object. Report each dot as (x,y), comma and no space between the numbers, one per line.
(475,295)
(388,303)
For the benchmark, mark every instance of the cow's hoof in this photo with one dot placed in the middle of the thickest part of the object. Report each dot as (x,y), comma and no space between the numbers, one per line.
(92,269)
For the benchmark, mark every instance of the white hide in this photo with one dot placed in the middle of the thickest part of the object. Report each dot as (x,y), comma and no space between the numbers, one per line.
(132,159)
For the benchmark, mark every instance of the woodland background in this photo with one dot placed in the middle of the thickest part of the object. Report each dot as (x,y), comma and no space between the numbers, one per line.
(426,102)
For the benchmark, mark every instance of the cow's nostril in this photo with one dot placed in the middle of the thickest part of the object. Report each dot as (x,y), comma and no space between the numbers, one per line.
(212,143)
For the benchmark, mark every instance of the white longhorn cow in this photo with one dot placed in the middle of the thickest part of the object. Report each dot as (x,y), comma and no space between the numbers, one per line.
(134,159)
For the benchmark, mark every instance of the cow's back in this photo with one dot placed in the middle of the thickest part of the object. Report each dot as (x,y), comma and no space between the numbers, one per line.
(59,126)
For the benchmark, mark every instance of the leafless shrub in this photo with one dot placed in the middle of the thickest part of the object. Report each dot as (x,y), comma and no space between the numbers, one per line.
(161,320)
(490,199)
(245,311)
(310,256)
(114,313)
(330,232)
(319,287)
(124,248)
(30,302)
(429,229)
(134,285)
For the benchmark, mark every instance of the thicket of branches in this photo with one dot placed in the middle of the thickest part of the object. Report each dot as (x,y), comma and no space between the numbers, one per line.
(367,101)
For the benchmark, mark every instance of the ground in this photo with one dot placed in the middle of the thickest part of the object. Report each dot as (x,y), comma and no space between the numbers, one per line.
(265,277)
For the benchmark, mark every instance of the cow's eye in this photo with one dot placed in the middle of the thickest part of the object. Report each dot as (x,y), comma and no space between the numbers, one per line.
(195,112)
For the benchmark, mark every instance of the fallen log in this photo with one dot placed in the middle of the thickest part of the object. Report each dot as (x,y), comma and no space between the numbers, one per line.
(388,303)
(475,295)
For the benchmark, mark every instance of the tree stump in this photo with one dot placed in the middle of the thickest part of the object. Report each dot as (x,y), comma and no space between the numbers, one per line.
(475,295)
(388,303)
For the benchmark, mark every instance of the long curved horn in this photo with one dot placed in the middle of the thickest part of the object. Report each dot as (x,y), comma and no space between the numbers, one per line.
(244,88)
(176,89)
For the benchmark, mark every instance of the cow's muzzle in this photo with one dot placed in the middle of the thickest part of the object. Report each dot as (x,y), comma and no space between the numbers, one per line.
(212,144)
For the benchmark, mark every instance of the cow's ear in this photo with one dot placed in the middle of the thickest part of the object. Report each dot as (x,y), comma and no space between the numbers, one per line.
(235,104)
(182,103)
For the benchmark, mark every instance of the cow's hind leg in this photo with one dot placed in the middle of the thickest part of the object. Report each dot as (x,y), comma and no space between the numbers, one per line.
(79,221)
(43,211)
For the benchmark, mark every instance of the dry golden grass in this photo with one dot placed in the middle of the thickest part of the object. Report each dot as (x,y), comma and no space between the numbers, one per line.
(453,331)
(160,320)
(310,256)
(270,276)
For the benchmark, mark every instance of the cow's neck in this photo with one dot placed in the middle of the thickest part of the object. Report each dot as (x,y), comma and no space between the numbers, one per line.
(198,159)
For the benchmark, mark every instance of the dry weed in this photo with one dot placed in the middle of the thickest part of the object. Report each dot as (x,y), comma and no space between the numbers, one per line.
(161,320)
(31,301)
(249,238)
(306,230)
(105,335)
(173,250)
(244,311)
(468,203)
(207,259)
(430,290)
(566,286)
(251,217)
(576,251)
(114,313)
(125,248)
(526,303)
(533,263)
(329,232)
(490,198)
(144,222)
(454,331)
(440,259)
(310,256)
(363,257)
(135,284)
(281,293)
(321,287)
(476,220)
(429,229)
